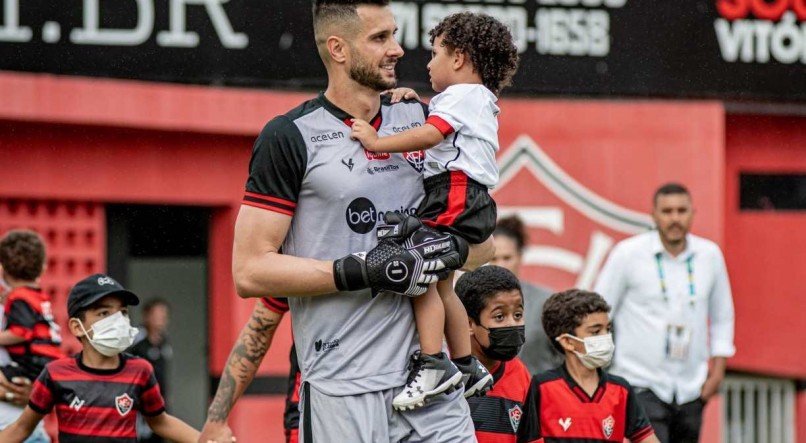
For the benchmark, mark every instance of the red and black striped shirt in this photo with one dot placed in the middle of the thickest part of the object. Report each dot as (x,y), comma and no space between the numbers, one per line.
(97,405)
(497,415)
(557,409)
(29,316)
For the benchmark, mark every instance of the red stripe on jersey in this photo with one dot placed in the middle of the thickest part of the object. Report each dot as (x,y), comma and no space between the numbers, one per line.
(495,437)
(152,400)
(442,126)
(642,434)
(297,383)
(270,208)
(131,374)
(271,199)
(41,397)
(456,200)
(275,305)
(292,436)
(21,332)
(95,421)
(514,384)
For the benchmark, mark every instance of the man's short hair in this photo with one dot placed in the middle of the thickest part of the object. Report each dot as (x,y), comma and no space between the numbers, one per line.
(669,189)
(564,311)
(343,13)
(22,254)
(486,41)
(476,288)
(153,303)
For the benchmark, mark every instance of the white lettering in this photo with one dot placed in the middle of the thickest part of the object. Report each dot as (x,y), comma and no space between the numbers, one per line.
(179,36)
(760,41)
(578,32)
(92,34)
(408,24)
(10,30)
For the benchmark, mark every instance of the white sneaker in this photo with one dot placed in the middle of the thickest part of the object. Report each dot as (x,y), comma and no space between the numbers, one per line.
(475,377)
(430,376)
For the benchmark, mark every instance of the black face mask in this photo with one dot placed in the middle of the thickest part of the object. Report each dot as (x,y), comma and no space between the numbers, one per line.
(505,342)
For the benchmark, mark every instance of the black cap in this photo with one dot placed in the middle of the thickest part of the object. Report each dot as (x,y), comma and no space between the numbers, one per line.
(94,288)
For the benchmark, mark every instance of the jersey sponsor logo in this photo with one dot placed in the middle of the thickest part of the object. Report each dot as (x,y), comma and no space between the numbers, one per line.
(349,163)
(399,129)
(362,216)
(607,426)
(124,404)
(416,159)
(325,346)
(515,414)
(105,281)
(372,170)
(76,404)
(318,138)
(397,271)
(377,155)
(565,423)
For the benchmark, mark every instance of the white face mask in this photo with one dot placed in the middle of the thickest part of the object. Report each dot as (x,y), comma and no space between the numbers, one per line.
(112,335)
(598,350)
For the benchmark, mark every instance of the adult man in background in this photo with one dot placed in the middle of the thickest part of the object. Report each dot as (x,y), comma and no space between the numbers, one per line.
(670,293)
(308,194)
(538,352)
(152,344)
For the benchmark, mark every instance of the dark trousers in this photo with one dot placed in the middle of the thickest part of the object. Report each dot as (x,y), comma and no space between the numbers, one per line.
(673,423)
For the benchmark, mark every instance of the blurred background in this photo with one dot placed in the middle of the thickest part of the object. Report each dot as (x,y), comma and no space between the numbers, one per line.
(126,129)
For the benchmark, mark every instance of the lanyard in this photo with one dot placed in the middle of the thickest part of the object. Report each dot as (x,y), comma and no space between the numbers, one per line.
(662,278)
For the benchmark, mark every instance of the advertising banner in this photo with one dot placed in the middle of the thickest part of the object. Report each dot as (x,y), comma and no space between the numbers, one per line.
(730,49)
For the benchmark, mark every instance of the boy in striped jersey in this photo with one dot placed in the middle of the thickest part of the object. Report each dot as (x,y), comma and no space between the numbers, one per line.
(97,393)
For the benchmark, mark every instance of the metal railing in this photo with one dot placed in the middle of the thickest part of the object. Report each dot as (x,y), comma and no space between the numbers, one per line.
(758,410)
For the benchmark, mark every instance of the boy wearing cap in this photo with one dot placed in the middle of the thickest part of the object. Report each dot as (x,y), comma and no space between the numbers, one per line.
(97,393)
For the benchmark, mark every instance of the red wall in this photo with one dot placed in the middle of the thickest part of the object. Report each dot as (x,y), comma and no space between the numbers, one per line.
(119,141)
(766,250)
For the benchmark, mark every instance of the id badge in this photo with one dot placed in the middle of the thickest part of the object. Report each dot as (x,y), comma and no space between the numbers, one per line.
(678,340)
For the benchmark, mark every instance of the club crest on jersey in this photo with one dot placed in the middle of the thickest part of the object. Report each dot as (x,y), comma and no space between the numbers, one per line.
(515,414)
(607,426)
(124,404)
(416,159)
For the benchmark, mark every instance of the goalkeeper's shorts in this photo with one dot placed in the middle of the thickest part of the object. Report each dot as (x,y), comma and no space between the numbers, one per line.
(457,204)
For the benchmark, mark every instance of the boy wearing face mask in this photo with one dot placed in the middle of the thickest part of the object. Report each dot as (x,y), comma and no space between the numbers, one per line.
(97,393)
(579,402)
(494,303)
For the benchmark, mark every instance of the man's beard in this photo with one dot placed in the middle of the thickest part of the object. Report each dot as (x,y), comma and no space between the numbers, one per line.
(365,74)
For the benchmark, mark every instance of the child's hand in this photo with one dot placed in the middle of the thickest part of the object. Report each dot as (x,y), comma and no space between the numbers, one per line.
(402,93)
(364,133)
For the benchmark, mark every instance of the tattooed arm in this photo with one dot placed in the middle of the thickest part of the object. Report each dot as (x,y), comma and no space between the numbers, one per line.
(239,371)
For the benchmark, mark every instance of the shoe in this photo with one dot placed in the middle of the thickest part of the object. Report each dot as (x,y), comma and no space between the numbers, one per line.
(476,378)
(429,376)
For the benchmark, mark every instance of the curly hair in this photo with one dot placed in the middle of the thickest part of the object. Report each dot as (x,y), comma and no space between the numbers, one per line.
(564,311)
(513,228)
(476,288)
(22,254)
(487,41)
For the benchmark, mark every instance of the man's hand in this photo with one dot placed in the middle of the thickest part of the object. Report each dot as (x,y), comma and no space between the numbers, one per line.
(401,94)
(407,259)
(364,133)
(16,392)
(716,374)
(216,432)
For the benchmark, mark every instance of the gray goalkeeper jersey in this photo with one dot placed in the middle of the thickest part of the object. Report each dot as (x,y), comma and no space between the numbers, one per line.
(305,165)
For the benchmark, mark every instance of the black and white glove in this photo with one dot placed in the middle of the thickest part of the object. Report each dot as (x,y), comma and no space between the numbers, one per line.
(408,257)
(388,266)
